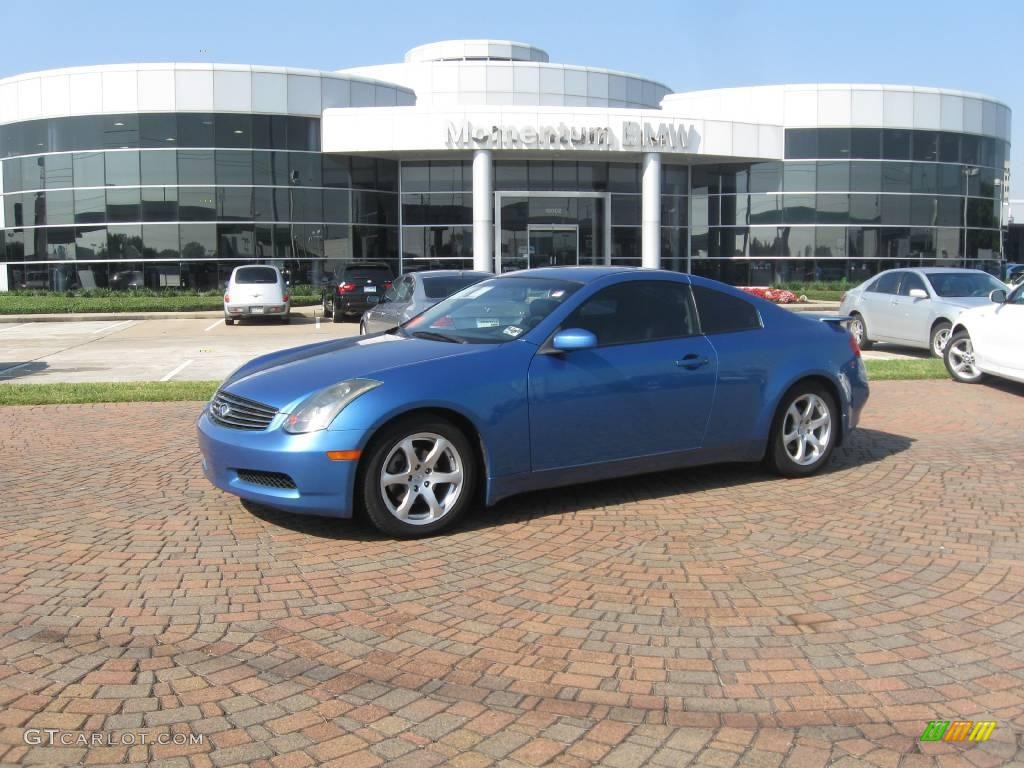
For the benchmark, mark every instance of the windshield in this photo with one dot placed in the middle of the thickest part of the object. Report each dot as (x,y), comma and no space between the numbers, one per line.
(964,284)
(255,276)
(493,311)
(440,287)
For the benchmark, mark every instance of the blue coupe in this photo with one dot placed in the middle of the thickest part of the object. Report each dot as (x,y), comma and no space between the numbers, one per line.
(530,380)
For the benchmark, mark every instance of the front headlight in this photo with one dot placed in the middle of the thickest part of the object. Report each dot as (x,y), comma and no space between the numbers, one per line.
(317,411)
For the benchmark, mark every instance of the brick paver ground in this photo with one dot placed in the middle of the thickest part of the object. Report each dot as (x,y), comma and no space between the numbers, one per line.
(715,617)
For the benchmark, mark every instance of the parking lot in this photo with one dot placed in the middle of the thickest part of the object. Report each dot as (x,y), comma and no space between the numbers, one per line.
(196,349)
(716,616)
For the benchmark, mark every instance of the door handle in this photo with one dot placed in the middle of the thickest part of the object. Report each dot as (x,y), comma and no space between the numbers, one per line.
(692,362)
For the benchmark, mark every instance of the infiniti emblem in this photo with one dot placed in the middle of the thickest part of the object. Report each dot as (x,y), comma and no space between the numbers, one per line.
(224,409)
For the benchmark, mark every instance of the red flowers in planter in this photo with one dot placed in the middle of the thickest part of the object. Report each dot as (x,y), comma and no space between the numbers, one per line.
(774,295)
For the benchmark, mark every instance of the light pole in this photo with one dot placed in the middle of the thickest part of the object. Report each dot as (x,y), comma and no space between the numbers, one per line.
(968,171)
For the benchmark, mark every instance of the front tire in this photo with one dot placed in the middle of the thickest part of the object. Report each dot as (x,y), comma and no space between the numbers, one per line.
(804,431)
(859,331)
(939,338)
(419,477)
(959,359)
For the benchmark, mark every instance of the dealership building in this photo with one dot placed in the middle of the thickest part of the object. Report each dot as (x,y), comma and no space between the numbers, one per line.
(484,154)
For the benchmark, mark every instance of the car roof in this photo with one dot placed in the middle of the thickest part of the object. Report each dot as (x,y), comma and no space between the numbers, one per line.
(246,266)
(572,274)
(936,270)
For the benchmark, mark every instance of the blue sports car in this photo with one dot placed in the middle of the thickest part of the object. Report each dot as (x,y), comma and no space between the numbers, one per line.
(530,380)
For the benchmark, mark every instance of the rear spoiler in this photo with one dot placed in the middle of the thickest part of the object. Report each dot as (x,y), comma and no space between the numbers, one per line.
(835,319)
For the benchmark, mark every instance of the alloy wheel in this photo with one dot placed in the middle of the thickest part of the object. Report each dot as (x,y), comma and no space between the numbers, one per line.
(422,478)
(807,429)
(939,341)
(857,330)
(961,359)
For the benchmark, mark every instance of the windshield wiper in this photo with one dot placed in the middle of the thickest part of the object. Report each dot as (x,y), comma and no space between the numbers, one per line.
(436,337)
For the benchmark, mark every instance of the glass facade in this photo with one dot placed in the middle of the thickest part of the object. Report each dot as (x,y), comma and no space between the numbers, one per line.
(178,200)
(849,202)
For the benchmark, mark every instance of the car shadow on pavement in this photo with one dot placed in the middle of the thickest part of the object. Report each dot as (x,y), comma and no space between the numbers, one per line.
(16,370)
(864,446)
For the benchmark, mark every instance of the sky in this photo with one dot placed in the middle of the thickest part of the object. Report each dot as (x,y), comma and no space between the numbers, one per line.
(685,44)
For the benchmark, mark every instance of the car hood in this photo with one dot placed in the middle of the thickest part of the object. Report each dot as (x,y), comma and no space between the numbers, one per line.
(282,379)
(964,302)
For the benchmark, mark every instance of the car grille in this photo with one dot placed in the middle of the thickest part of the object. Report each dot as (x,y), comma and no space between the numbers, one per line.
(267,479)
(240,413)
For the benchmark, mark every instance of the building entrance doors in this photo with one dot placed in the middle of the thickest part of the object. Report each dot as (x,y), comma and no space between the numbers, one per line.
(553,245)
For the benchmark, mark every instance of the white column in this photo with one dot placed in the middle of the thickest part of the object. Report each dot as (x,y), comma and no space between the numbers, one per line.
(650,235)
(483,210)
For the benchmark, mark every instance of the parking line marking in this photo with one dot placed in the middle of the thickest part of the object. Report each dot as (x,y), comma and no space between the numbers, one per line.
(213,326)
(13,327)
(318,323)
(111,327)
(177,370)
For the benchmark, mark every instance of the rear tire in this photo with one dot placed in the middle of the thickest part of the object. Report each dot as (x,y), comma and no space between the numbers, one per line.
(804,431)
(286,318)
(229,320)
(939,338)
(336,315)
(328,311)
(859,330)
(958,357)
(400,477)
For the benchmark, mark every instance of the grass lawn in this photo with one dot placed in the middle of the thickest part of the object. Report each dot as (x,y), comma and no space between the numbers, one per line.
(120,392)
(882,370)
(160,391)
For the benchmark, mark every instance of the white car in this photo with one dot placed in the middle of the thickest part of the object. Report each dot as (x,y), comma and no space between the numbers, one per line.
(256,291)
(987,340)
(914,307)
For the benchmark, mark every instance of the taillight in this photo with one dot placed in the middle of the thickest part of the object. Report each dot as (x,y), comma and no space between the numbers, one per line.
(346,287)
(387,284)
(854,346)
(227,299)
(285,297)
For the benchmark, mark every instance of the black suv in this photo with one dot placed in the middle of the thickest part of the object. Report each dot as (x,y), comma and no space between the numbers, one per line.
(355,288)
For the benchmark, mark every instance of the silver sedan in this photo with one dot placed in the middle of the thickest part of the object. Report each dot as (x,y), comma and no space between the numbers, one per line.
(413,293)
(915,307)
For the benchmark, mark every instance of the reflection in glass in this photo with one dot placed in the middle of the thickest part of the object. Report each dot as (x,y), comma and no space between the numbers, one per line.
(159,167)
(160,204)
(123,205)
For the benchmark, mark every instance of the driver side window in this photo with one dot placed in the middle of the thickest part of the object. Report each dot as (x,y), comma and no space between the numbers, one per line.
(637,311)
(910,281)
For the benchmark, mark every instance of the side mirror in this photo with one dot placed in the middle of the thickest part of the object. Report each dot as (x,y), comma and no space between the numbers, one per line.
(918,293)
(998,296)
(572,339)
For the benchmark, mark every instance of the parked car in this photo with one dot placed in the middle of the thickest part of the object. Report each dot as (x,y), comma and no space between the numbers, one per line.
(413,293)
(256,291)
(987,339)
(588,373)
(914,307)
(355,288)
(1014,274)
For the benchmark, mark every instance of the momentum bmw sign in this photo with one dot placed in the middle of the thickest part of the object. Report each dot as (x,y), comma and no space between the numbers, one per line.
(648,137)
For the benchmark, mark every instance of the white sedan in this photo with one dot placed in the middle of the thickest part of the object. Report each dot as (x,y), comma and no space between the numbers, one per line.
(988,340)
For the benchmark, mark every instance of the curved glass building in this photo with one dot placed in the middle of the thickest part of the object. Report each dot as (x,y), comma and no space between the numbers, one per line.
(482,153)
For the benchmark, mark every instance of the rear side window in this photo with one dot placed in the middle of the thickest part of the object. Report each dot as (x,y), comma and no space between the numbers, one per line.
(255,276)
(887,283)
(442,287)
(721,313)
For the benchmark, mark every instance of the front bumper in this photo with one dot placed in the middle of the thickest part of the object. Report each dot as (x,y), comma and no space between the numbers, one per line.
(231,458)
